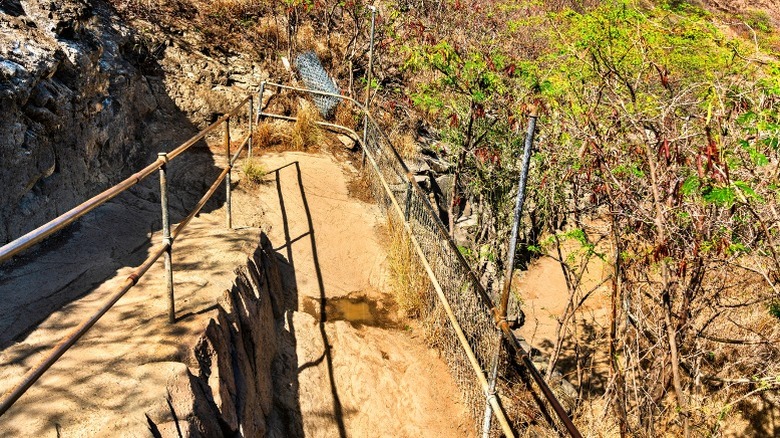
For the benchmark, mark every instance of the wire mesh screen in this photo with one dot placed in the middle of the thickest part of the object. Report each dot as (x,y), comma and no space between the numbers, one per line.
(450,269)
(315,77)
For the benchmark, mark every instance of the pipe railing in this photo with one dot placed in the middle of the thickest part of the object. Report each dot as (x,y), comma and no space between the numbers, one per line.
(165,248)
(517,353)
(41,233)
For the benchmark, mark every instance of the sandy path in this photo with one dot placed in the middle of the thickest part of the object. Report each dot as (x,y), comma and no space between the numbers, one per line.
(360,372)
(121,369)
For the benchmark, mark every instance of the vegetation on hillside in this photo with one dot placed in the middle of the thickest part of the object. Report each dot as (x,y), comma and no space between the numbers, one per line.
(658,120)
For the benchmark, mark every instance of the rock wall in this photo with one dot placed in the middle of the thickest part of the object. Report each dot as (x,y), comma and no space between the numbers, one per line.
(88,98)
(73,106)
(242,381)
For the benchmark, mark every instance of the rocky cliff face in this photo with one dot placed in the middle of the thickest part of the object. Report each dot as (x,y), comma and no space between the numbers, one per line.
(87,99)
(73,104)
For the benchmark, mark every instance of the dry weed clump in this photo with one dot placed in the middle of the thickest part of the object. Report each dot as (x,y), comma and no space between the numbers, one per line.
(411,286)
(266,136)
(254,171)
(407,146)
(234,9)
(345,116)
(268,31)
(360,187)
(305,133)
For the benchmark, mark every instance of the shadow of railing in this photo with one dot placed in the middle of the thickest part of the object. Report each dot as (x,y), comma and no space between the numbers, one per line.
(327,355)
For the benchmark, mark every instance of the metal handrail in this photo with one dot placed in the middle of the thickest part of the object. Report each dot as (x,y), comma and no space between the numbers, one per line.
(46,230)
(517,352)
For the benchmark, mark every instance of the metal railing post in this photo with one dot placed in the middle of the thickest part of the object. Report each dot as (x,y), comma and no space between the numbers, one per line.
(228,203)
(260,101)
(368,79)
(166,229)
(408,204)
(491,392)
(251,124)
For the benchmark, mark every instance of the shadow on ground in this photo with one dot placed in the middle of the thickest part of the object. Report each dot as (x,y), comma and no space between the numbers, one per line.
(337,414)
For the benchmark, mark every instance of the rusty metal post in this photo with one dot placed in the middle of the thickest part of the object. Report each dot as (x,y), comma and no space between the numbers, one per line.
(166,229)
(251,124)
(228,203)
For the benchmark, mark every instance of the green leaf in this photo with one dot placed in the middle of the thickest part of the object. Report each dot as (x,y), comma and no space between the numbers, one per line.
(746,118)
(722,196)
(737,248)
(747,191)
(757,157)
(690,186)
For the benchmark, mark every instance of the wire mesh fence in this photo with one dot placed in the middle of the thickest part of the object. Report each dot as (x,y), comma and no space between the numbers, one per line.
(315,77)
(459,285)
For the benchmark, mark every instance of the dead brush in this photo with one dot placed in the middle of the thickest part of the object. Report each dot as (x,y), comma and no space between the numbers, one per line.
(407,146)
(254,171)
(266,136)
(268,31)
(410,284)
(360,187)
(305,133)
(345,116)
(233,9)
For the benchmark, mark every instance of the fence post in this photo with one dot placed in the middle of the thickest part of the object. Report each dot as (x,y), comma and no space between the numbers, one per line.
(251,124)
(408,205)
(166,226)
(529,144)
(491,392)
(260,101)
(368,79)
(228,203)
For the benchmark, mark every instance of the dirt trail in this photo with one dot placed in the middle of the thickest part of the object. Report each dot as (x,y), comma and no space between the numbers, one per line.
(360,371)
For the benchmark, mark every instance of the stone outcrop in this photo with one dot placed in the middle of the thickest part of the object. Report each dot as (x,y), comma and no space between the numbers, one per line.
(243,380)
(89,98)
(73,104)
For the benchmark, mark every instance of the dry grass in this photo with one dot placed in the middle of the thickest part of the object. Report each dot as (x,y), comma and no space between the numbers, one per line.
(411,286)
(253,171)
(345,116)
(407,146)
(268,30)
(305,133)
(266,136)
(360,187)
(234,9)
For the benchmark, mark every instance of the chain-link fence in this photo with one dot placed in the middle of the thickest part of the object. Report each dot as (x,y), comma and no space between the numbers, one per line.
(316,78)
(461,288)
